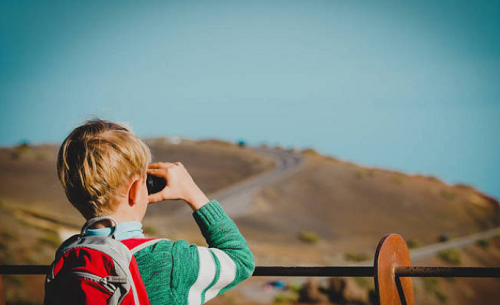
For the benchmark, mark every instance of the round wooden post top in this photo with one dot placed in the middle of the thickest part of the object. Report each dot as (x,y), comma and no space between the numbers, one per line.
(392,252)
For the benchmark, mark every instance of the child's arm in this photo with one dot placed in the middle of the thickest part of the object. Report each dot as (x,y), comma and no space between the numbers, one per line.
(200,273)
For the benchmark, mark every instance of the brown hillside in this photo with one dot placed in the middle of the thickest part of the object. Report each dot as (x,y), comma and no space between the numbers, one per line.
(29,177)
(350,208)
(328,213)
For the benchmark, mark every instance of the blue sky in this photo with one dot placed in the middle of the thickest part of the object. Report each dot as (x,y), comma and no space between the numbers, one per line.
(406,86)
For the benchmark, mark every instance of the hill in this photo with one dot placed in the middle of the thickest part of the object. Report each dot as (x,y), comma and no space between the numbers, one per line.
(329,212)
(350,208)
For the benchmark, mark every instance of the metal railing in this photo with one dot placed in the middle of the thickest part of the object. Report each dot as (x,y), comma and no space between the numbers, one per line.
(392,272)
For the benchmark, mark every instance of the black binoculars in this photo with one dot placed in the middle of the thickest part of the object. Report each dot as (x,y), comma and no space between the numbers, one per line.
(155,184)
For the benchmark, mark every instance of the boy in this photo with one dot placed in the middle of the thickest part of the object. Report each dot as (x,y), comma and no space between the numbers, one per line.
(102,166)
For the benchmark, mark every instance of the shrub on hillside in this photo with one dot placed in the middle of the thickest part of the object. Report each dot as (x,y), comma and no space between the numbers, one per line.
(360,174)
(448,195)
(21,150)
(463,186)
(216,142)
(310,151)
(364,283)
(445,237)
(285,298)
(356,257)
(398,179)
(483,243)
(309,237)
(413,243)
(451,256)
(294,286)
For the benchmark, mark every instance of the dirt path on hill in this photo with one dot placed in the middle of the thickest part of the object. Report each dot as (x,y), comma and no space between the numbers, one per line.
(237,199)
(455,243)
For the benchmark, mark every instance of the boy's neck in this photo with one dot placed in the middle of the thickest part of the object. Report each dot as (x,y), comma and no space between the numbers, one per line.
(105,223)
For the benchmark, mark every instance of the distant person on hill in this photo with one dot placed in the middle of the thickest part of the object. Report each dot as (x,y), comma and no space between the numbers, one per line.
(103,167)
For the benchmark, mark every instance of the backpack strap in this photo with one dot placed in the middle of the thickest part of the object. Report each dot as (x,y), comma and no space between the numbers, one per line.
(135,245)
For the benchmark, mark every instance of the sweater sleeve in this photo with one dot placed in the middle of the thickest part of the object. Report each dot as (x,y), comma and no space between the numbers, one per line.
(199,273)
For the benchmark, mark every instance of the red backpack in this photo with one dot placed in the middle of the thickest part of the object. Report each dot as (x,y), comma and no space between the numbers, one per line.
(96,270)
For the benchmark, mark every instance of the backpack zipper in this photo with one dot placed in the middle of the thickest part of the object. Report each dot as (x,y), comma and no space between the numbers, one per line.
(106,282)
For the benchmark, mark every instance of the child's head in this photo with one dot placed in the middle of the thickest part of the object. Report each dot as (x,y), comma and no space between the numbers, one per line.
(96,164)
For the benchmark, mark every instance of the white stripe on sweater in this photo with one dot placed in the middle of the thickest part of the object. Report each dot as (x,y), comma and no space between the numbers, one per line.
(146,244)
(226,276)
(206,276)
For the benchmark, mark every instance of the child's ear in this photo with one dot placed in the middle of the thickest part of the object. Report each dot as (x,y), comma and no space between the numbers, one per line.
(134,191)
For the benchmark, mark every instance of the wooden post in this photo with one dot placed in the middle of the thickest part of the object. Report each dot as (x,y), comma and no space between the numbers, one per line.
(392,252)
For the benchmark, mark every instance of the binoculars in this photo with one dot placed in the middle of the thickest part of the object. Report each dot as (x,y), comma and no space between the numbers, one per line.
(155,184)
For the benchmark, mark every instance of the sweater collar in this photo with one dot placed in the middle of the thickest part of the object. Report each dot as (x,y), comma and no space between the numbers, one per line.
(124,230)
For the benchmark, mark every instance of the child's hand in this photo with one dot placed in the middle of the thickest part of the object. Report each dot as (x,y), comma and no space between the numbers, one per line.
(180,185)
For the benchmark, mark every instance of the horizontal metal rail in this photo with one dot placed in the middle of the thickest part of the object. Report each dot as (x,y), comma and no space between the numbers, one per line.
(420,271)
(24,269)
(313,271)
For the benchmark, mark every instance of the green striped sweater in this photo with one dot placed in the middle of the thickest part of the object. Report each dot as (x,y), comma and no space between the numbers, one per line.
(175,272)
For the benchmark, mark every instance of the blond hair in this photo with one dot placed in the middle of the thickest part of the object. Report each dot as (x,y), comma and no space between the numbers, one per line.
(96,162)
